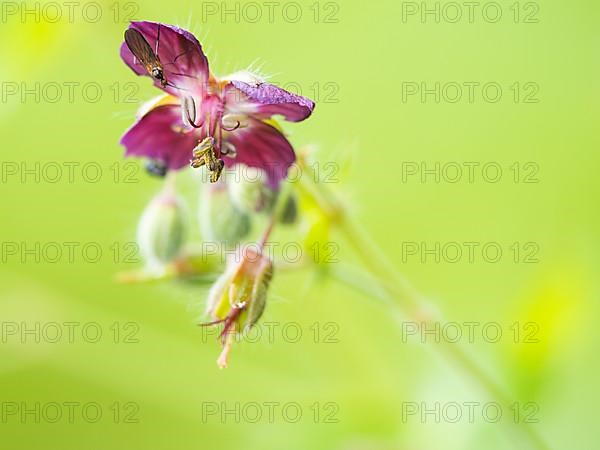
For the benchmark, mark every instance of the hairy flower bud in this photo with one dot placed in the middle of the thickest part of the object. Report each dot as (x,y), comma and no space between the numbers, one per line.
(238,297)
(161,230)
(220,220)
(250,193)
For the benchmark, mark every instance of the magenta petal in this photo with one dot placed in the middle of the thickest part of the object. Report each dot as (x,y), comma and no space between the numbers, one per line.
(270,99)
(184,64)
(160,135)
(262,146)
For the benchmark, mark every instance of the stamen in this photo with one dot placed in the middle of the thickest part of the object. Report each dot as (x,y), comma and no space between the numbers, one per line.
(216,174)
(204,154)
(197,163)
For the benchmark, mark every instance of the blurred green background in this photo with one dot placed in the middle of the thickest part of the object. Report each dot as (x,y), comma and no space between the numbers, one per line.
(166,378)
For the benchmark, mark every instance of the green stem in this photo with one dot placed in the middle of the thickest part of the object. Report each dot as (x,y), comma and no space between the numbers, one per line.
(278,208)
(391,287)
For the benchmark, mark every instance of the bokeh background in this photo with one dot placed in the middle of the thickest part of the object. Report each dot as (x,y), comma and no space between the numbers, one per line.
(354,58)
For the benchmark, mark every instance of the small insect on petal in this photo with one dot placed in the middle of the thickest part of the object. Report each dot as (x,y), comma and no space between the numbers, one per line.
(138,45)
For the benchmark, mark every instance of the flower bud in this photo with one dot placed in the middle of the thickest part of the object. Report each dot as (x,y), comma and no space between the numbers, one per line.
(250,192)
(238,297)
(161,230)
(220,220)
(289,213)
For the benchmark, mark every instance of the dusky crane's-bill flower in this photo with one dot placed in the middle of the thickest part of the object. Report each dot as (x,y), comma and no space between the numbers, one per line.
(213,122)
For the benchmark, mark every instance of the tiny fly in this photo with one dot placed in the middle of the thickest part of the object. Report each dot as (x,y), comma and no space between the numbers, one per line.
(143,52)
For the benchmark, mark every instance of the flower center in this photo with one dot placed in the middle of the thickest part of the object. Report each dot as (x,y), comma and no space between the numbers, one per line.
(209,150)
